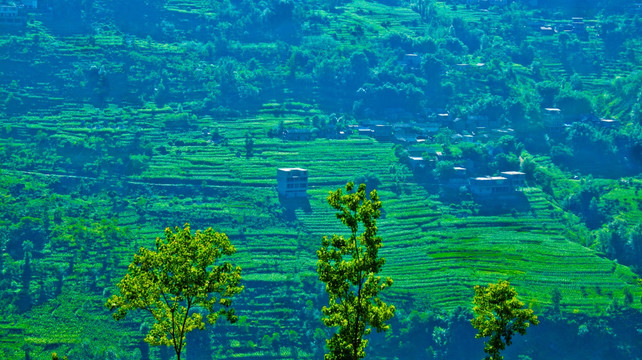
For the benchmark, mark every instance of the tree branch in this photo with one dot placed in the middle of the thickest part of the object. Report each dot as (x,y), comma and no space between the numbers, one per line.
(189,306)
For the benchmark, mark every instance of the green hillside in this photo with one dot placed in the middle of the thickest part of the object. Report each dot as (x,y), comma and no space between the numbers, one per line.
(114,128)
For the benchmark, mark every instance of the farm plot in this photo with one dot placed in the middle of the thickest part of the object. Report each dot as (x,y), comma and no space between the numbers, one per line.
(443,260)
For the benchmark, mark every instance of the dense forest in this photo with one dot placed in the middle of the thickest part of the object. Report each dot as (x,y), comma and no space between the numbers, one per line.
(122,118)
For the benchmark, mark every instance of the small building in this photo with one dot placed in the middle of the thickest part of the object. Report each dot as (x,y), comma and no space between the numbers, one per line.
(10,15)
(366,131)
(517,179)
(292,182)
(608,122)
(416,162)
(553,121)
(490,186)
(443,118)
(412,60)
(458,179)
(460,172)
(546,30)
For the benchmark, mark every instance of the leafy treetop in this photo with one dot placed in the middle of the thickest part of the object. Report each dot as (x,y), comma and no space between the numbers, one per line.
(179,283)
(499,315)
(349,267)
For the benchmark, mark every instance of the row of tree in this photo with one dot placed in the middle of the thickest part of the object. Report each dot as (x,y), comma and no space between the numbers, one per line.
(183,285)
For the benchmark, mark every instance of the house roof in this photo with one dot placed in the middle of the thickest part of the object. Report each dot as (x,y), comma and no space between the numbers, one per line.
(291,169)
(490,178)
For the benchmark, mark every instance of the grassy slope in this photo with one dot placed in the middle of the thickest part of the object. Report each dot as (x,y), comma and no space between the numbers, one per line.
(431,253)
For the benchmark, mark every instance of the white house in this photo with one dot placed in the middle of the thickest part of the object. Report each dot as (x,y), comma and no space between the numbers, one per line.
(517,179)
(487,186)
(10,15)
(292,182)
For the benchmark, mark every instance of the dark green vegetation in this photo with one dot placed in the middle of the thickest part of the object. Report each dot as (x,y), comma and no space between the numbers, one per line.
(498,316)
(349,268)
(179,283)
(121,117)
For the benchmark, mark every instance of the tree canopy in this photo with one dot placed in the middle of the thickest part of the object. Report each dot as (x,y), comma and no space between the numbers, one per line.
(179,283)
(349,267)
(499,315)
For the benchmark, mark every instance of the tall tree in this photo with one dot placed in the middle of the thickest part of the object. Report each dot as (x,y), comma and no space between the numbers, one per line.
(24,298)
(499,315)
(349,268)
(179,283)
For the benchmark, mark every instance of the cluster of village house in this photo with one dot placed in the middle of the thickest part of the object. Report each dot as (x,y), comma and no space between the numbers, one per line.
(293,183)
(486,3)
(576,26)
(556,123)
(14,13)
(477,129)
(507,184)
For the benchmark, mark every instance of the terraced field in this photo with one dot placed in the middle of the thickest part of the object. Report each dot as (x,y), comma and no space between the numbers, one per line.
(433,253)
(436,252)
(628,200)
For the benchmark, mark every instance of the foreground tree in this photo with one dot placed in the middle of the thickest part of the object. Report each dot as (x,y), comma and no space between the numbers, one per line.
(349,267)
(178,284)
(499,315)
